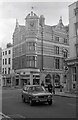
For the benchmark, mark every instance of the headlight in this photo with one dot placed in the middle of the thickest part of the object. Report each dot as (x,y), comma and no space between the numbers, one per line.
(49,96)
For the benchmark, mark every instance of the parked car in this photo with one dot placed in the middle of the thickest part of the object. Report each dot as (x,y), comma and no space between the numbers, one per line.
(35,94)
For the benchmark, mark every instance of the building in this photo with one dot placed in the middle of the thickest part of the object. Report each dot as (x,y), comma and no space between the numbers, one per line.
(7,65)
(0,66)
(72,62)
(39,51)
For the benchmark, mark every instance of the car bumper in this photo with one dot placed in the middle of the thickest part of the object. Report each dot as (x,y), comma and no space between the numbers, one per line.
(41,100)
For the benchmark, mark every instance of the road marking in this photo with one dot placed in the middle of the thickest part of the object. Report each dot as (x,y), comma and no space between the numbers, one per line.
(17,116)
(74,105)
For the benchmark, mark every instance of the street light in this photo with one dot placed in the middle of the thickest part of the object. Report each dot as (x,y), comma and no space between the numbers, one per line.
(41,24)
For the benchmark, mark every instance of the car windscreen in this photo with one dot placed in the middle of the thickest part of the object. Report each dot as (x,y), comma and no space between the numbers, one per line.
(37,89)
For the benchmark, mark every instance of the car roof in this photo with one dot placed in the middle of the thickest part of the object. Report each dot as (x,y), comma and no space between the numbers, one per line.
(32,85)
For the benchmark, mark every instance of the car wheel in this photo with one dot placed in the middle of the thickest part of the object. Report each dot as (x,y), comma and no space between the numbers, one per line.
(23,99)
(30,101)
(50,102)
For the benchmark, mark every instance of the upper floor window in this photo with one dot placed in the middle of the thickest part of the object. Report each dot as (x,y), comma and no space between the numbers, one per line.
(9,70)
(5,52)
(9,52)
(74,73)
(76,11)
(5,61)
(57,39)
(9,60)
(5,71)
(57,63)
(31,45)
(77,50)
(65,40)
(56,50)
(31,61)
(76,27)
(65,54)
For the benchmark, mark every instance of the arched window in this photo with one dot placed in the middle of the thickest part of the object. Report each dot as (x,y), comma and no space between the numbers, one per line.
(48,78)
(65,53)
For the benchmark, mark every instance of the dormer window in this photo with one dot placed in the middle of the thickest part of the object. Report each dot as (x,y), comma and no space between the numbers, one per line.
(76,11)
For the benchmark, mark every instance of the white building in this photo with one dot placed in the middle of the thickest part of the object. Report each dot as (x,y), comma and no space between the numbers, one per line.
(7,65)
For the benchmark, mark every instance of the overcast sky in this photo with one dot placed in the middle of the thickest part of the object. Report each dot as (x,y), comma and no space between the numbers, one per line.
(9,11)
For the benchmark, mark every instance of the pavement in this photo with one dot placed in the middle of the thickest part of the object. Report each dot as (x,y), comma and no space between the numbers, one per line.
(65,94)
(57,92)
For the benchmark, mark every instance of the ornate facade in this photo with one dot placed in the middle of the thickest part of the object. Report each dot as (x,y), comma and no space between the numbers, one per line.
(39,50)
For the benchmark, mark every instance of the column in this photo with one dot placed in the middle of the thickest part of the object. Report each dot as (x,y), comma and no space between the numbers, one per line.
(61,79)
(31,78)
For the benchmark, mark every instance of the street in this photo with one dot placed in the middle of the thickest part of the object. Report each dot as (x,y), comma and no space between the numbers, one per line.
(13,106)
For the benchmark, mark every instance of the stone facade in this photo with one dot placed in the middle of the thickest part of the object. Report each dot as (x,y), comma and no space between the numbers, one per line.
(72,62)
(37,45)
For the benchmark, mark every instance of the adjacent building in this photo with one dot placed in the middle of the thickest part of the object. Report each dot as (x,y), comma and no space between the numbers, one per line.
(39,51)
(7,65)
(0,66)
(72,62)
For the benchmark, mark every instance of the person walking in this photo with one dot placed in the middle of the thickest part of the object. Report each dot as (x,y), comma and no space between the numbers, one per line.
(42,84)
(50,87)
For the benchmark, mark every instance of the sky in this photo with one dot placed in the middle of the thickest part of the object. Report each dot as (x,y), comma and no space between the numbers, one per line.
(10,10)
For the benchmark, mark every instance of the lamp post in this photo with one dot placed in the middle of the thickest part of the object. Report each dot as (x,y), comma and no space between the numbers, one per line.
(42,47)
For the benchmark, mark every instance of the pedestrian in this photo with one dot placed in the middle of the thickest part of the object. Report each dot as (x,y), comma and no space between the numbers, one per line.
(53,89)
(42,84)
(50,87)
(60,88)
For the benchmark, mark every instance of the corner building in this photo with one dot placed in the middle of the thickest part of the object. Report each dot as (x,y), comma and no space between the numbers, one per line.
(39,51)
(72,62)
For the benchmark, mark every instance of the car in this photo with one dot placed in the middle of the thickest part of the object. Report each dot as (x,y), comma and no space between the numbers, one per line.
(36,94)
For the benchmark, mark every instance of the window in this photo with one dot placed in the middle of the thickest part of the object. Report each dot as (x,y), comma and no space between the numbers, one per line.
(56,50)
(76,11)
(5,52)
(65,40)
(57,63)
(76,27)
(31,46)
(57,39)
(74,73)
(5,61)
(65,54)
(31,61)
(9,60)
(9,70)
(77,50)
(5,71)
(74,86)
(9,52)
